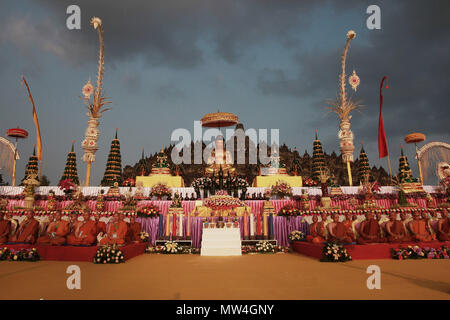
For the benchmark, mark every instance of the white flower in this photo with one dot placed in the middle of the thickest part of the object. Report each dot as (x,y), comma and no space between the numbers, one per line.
(96,22)
(351,34)
(87,90)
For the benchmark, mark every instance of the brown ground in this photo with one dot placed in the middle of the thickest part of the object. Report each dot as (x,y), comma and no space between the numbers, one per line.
(279,276)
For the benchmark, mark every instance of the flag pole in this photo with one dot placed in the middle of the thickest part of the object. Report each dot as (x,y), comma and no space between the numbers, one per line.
(389,167)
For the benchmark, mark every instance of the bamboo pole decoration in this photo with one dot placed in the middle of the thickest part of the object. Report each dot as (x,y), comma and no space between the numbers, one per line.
(14,166)
(390,170)
(95,111)
(418,164)
(343,107)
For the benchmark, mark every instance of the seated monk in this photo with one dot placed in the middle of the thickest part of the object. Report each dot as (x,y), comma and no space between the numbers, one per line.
(318,232)
(73,220)
(116,232)
(27,231)
(84,232)
(338,232)
(100,226)
(370,231)
(133,231)
(419,229)
(443,227)
(5,228)
(14,224)
(395,229)
(56,233)
(348,223)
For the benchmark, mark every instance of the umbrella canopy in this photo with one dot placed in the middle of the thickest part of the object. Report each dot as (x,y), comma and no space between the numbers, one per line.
(219,119)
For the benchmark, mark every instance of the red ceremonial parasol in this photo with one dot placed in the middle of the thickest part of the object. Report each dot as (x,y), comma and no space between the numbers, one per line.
(16,133)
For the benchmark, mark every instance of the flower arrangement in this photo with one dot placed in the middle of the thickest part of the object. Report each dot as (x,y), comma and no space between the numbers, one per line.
(109,254)
(240,183)
(416,252)
(144,236)
(130,182)
(172,247)
(201,183)
(149,211)
(222,202)
(290,211)
(222,193)
(281,189)
(297,236)
(160,190)
(67,186)
(310,182)
(30,255)
(254,249)
(265,246)
(335,252)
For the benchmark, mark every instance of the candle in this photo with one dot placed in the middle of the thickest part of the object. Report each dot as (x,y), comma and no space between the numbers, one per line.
(271,225)
(160,225)
(265,225)
(180,229)
(168,225)
(258,224)
(245,224)
(188,225)
(252,225)
(174,225)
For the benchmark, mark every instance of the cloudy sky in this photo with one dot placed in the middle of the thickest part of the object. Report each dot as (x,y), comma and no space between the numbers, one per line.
(273,63)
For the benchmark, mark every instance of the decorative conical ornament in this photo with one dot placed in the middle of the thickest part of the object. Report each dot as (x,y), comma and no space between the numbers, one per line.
(354,80)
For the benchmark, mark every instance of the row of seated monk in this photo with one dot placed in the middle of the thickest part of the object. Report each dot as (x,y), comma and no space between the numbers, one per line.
(378,229)
(88,230)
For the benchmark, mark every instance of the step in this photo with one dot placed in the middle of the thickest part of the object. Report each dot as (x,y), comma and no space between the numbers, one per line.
(221,252)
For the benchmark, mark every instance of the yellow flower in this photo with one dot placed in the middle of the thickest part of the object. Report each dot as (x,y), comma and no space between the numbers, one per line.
(351,34)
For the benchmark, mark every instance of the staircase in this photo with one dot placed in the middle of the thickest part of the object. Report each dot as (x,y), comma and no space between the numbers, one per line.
(221,242)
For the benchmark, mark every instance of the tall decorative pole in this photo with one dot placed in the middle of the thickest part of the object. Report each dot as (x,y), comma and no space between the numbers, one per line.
(89,144)
(342,107)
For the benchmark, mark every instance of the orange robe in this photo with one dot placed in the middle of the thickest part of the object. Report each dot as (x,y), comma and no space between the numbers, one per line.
(419,227)
(60,228)
(443,236)
(5,228)
(115,234)
(398,229)
(349,229)
(315,236)
(133,232)
(100,227)
(372,229)
(341,233)
(27,232)
(84,234)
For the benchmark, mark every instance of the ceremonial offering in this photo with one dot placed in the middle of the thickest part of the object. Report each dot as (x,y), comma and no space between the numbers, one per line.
(281,189)
(161,166)
(160,190)
(222,202)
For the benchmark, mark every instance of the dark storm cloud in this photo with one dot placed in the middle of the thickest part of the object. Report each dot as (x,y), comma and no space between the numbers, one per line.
(169,92)
(410,49)
(169,32)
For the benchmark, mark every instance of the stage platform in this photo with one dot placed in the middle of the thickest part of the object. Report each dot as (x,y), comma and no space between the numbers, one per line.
(76,253)
(363,252)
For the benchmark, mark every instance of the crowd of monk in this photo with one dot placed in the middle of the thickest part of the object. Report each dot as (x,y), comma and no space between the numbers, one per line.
(421,227)
(86,231)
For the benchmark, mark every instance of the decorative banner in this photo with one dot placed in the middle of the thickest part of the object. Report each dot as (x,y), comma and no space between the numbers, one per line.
(36,122)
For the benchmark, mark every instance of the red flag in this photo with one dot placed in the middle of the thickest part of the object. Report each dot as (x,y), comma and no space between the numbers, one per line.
(382,143)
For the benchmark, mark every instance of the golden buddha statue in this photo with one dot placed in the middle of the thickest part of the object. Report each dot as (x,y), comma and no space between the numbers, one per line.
(219,159)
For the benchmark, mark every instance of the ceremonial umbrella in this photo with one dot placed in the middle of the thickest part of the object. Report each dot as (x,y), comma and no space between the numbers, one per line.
(16,133)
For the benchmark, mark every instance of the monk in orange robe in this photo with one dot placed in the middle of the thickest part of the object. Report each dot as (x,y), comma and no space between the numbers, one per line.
(13,223)
(419,229)
(318,232)
(56,233)
(73,220)
(27,231)
(84,232)
(133,231)
(5,228)
(338,232)
(395,229)
(100,226)
(443,226)
(348,223)
(116,232)
(370,231)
